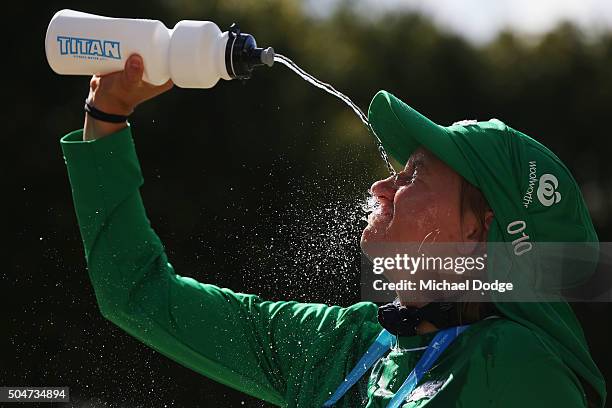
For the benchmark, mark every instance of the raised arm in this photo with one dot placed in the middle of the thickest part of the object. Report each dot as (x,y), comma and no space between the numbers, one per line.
(288,353)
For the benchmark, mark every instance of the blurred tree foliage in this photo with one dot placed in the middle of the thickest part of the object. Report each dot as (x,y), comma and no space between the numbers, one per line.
(242,170)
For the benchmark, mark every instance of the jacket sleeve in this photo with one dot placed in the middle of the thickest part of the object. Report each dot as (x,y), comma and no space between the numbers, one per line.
(259,347)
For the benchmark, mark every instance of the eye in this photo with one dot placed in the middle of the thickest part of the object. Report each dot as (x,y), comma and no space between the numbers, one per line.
(405,177)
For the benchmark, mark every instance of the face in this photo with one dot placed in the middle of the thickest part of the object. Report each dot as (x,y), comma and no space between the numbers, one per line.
(423,200)
(422,205)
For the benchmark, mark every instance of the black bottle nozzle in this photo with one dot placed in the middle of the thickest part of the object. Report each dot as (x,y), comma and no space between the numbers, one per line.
(242,54)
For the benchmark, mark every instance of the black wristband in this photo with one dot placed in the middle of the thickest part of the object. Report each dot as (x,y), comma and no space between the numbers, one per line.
(103,116)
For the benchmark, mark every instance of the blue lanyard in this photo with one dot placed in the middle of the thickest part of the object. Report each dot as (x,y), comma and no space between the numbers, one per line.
(437,346)
(380,346)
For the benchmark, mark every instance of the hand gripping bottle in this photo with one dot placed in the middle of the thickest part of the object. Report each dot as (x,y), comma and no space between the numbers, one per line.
(194,54)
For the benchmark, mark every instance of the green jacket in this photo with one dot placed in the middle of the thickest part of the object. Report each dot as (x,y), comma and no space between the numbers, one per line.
(287,353)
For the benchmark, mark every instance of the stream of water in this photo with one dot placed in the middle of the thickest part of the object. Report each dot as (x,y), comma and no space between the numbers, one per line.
(333,91)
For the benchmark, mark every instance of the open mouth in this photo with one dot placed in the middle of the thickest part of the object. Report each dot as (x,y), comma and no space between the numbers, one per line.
(377,208)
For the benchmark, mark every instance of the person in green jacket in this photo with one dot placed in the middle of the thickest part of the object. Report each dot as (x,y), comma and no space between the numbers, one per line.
(474,182)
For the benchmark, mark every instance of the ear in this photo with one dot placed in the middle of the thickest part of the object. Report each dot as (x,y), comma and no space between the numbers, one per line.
(473,233)
(488,219)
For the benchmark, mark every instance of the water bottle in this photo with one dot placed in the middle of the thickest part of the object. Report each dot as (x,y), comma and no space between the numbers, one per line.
(194,54)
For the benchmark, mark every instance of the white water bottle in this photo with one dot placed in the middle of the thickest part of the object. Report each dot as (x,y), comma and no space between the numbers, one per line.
(194,54)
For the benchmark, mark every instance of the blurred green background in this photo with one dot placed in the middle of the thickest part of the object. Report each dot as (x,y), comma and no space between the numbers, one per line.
(258,185)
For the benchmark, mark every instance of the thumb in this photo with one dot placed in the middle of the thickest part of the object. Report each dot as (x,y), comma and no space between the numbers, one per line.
(134,68)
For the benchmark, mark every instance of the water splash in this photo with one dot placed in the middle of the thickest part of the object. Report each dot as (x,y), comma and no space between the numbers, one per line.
(307,247)
(314,246)
(368,206)
(333,91)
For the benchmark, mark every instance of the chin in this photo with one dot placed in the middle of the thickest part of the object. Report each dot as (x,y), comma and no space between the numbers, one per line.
(373,233)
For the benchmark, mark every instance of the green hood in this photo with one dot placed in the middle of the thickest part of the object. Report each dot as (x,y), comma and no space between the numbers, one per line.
(532,194)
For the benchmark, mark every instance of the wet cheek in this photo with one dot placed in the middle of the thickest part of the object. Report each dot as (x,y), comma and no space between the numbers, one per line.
(416,211)
(413,199)
(449,223)
(405,197)
(429,219)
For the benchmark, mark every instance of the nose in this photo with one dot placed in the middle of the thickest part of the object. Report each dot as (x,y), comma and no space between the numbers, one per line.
(384,188)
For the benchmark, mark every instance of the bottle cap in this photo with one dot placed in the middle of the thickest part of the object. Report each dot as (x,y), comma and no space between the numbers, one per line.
(242,54)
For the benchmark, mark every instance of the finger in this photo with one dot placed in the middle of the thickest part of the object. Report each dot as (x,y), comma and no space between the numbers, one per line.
(158,88)
(153,91)
(134,69)
(167,86)
(94,82)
